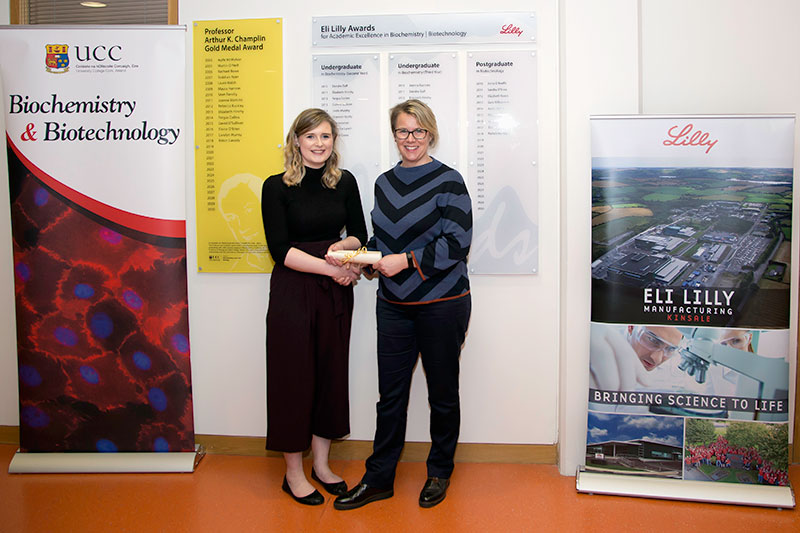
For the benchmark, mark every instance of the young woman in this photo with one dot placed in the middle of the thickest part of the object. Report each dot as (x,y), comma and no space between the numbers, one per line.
(310,302)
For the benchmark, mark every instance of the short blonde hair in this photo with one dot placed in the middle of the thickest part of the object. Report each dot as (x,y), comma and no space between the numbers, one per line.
(420,111)
(306,121)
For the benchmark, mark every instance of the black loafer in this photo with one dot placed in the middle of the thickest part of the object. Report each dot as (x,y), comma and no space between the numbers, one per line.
(433,492)
(315,498)
(337,488)
(361,495)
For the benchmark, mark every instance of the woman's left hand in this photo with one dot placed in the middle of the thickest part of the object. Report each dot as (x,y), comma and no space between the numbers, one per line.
(332,248)
(391,264)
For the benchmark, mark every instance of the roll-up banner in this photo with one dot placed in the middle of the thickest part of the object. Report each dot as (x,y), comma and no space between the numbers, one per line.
(691,262)
(95,134)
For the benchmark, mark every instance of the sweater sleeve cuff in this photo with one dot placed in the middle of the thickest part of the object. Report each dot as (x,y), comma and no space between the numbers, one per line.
(416,265)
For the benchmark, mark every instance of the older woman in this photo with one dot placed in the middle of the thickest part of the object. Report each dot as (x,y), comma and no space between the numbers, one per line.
(310,302)
(423,227)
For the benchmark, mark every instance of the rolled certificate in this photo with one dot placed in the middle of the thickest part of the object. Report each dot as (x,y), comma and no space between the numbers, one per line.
(363,256)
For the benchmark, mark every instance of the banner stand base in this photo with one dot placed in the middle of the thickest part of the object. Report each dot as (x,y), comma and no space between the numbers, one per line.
(677,489)
(105,463)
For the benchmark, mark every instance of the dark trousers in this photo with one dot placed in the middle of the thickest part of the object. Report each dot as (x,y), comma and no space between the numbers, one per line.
(308,341)
(435,331)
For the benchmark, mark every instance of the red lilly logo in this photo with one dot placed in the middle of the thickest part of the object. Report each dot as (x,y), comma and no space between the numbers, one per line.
(688,136)
(56,60)
(510,29)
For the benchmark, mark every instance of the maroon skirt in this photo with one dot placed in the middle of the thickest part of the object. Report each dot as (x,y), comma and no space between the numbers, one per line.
(308,341)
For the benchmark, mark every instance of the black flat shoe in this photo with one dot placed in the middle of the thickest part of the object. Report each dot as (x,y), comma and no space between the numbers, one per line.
(361,495)
(433,492)
(337,488)
(315,498)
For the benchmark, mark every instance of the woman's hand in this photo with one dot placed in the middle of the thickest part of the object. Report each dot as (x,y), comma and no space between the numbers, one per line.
(391,264)
(348,243)
(333,248)
(347,274)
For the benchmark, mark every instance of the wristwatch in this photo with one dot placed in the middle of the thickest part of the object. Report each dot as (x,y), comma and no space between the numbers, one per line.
(410,259)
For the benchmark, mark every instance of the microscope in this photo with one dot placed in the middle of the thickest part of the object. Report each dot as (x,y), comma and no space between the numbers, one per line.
(768,377)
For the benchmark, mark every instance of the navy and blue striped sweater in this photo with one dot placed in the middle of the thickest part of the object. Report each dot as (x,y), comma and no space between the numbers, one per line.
(425,210)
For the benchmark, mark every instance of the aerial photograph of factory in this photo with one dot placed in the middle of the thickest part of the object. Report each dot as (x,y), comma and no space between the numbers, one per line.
(704,246)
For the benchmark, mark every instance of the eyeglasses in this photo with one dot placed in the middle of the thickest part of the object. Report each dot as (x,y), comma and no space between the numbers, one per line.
(403,133)
(740,341)
(655,343)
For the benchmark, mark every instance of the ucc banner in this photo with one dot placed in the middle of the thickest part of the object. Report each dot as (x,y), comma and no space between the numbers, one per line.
(691,251)
(95,135)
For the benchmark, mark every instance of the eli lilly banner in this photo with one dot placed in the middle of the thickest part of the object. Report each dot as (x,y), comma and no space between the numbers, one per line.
(438,28)
(95,133)
(691,262)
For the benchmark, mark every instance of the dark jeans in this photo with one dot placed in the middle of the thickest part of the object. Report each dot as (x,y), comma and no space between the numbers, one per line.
(435,331)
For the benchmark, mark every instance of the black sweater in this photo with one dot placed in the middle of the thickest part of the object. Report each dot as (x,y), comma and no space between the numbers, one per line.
(310,212)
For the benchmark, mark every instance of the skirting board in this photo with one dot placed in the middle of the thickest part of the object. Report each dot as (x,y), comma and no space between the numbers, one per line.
(105,463)
(676,489)
(359,450)
(9,435)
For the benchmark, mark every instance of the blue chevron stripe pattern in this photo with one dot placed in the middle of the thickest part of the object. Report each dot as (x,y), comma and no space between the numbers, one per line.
(425,210)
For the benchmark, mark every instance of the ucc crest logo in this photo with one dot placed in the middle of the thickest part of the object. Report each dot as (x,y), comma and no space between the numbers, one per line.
(56,60)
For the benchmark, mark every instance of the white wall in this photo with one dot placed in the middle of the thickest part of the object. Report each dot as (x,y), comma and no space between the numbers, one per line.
(600,70)
(524,376)
(510,362)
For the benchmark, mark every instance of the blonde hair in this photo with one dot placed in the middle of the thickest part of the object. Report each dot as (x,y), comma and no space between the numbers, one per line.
(420,111)
(292,158)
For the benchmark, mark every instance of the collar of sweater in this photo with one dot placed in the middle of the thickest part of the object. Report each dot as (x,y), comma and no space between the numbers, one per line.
(410,174)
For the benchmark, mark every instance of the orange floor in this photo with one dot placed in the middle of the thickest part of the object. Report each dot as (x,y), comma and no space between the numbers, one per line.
(229,493)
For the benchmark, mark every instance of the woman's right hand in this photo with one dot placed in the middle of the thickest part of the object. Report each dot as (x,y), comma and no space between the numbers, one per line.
(346,274)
